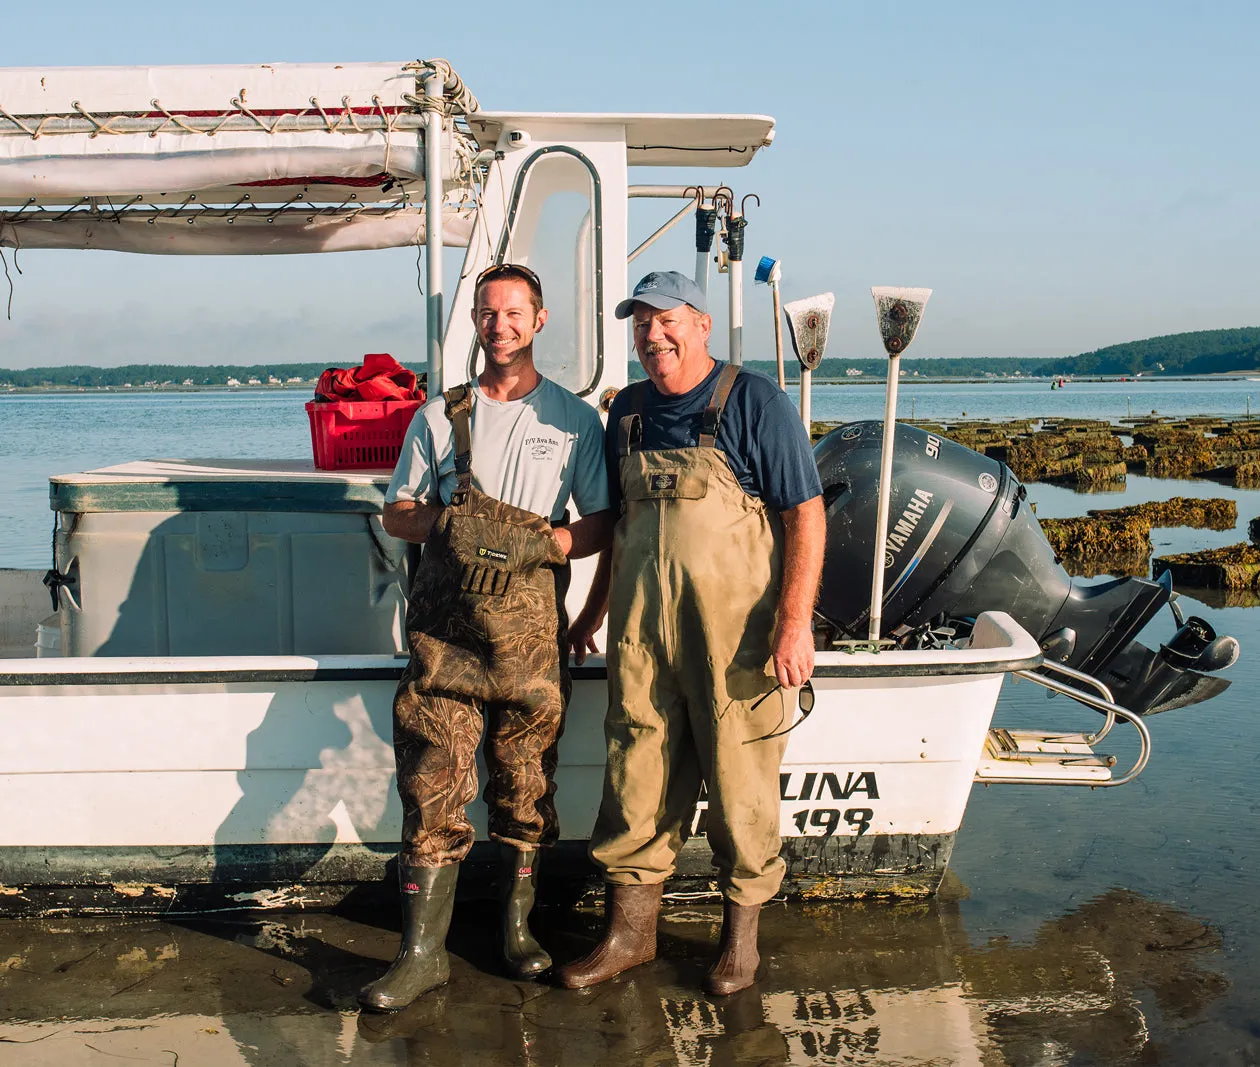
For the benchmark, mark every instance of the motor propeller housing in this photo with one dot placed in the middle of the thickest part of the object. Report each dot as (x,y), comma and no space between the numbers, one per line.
(962,540)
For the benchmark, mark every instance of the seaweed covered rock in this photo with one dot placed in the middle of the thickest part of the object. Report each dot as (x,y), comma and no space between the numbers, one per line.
(1247,476)
(1089,455)
(1118,540)
(1232,567)
(1103,476)
(1084,453)
(1096,537)
(1215,513)
(1197,447)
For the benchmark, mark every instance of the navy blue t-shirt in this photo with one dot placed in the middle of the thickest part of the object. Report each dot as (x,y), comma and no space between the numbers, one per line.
(761,433)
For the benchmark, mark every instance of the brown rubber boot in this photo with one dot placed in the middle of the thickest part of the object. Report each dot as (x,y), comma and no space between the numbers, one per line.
(630,912)
(737,963)
(518,874)
(428,895)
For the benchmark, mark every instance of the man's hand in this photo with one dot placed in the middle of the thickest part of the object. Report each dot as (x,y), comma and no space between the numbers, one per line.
(564,539)
(410,520)
(793,652)
(586,623)
(581,637)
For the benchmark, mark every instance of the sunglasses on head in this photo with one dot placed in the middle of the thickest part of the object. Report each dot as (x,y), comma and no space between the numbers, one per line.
(804,701)
(510,270)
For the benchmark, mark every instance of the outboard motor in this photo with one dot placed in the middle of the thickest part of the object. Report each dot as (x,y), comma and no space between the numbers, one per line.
(962,540)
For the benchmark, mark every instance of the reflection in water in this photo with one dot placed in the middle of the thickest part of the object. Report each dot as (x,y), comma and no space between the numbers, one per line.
(849,984)
(1224,598)
(1116,565)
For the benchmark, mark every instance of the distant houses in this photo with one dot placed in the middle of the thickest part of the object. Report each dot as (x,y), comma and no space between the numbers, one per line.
(163,376)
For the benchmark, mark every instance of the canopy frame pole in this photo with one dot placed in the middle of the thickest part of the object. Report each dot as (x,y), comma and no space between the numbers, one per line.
(434,106)
(647,243)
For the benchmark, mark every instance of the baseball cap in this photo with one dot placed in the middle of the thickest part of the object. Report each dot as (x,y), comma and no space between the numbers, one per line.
(663,289)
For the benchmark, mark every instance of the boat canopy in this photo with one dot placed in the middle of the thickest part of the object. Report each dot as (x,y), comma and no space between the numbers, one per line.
(296,157)
(230,159)
(651,140)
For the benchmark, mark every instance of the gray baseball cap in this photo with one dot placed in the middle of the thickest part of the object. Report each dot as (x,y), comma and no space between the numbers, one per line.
(663,289)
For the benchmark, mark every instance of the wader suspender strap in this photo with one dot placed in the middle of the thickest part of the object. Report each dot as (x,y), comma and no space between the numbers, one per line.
(630,427)
(458,405)
(713,413)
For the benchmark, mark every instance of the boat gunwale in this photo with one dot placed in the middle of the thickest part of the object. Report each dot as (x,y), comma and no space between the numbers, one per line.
(24,673)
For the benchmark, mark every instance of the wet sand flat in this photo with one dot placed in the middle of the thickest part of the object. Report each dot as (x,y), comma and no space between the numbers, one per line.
(854,983)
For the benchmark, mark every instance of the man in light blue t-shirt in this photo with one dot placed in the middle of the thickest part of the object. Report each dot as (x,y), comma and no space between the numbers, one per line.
(483,481)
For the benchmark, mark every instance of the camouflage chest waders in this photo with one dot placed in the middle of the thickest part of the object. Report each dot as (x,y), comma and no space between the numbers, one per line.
(696,576)
(485,625)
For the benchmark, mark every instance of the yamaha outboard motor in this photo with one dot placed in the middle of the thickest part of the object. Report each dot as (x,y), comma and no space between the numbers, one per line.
(962,540)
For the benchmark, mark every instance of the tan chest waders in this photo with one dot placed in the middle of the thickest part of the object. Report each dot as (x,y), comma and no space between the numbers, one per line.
(485,626)
(695,585)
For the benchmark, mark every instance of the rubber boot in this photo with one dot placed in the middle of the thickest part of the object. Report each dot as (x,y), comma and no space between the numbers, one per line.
(518,881)
(630,913)
(428,898)
(738,959)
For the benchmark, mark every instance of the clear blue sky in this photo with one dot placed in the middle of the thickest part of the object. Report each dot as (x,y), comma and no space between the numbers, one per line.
(1064,176)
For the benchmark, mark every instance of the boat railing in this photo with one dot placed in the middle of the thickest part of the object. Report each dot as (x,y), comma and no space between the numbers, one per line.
(1065,752)
(1106,706)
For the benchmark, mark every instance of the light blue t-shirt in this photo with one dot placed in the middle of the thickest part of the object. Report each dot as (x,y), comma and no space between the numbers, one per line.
(534,453)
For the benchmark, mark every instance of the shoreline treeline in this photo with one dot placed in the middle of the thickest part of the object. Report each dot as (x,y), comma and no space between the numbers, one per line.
(1200,352)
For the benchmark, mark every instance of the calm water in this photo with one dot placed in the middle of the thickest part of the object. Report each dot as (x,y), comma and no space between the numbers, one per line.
(49,434)
(1078,927)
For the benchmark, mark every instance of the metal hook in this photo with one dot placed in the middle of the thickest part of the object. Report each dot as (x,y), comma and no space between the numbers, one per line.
(723,194)
(750,196)
(699,194)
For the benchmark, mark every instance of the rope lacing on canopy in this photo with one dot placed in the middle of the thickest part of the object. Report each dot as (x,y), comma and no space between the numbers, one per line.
(33,132)
(190,210)
(105,126)
(456,103)
(456,100)
(348,120)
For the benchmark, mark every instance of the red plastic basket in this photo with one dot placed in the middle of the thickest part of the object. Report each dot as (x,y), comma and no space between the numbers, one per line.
(354,434)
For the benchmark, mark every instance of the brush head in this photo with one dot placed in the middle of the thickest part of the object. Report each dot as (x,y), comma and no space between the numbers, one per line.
(807,322)
(768,272)
(899,311)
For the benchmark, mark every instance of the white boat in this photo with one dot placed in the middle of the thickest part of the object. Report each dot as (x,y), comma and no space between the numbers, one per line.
(155,765)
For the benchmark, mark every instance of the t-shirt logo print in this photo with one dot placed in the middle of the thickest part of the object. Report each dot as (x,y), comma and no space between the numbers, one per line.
(541,447)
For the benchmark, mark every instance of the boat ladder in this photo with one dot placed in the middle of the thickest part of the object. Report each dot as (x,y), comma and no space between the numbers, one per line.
(1043,757)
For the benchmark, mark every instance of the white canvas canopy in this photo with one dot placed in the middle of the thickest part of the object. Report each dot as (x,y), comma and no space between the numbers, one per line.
(227,160)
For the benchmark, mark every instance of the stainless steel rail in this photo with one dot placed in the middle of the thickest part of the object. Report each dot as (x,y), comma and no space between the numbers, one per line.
(1106,705)
(1085,679)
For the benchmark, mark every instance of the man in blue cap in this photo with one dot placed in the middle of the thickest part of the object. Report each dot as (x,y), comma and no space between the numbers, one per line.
(714,571)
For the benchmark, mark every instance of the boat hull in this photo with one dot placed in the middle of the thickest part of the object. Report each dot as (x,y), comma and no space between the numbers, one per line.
(190,783)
